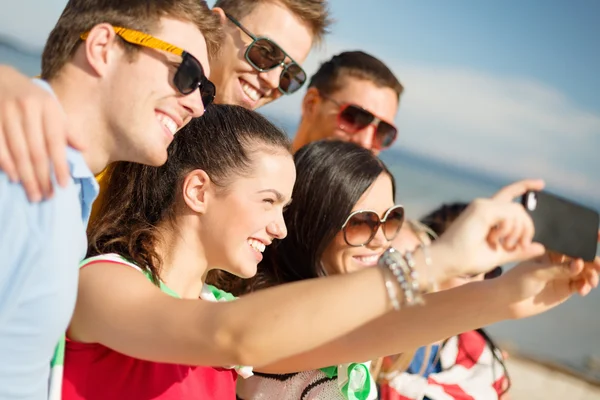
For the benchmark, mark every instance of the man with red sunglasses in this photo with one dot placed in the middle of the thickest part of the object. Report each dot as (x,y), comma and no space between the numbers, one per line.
(354,97)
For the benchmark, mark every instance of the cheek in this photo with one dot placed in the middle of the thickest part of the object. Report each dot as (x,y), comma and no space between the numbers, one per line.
(337,258)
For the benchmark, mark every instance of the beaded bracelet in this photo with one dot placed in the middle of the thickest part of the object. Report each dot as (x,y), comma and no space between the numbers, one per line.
(414,277)
(392,260)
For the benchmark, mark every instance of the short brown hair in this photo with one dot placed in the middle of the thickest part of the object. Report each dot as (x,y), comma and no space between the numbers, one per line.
(355,64)
(80,16)
(314,12)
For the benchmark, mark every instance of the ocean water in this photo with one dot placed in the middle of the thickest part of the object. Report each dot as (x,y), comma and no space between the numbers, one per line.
(569,334)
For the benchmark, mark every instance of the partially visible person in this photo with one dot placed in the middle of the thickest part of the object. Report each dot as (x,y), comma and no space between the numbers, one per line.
(342,231)
(125,94)
(468,365)
(266,41)
(353,97)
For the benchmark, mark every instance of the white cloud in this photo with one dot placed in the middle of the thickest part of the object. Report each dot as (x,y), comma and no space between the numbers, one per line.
(511,127)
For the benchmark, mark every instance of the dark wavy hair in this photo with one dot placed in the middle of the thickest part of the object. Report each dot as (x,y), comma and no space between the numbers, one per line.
(331,176)
(438,221)
(139,197)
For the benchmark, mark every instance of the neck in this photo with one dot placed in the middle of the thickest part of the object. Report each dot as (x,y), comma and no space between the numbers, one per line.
(84,121)
(184,263)
(302,136)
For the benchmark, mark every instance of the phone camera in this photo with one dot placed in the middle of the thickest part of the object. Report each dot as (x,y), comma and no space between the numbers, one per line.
(531,201)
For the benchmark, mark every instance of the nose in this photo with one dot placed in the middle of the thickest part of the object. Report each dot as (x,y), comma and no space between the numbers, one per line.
(379,240)
(365,137)
(271,78)
(192,103)
(277,229)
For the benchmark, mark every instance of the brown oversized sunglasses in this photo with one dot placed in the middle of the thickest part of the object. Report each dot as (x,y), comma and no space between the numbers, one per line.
(361,226)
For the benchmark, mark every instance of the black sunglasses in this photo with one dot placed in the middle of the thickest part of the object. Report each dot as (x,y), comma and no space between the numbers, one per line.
(352,119)
(263,54)
(189,75)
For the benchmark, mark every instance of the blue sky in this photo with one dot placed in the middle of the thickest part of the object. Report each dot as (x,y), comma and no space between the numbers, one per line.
(509,88)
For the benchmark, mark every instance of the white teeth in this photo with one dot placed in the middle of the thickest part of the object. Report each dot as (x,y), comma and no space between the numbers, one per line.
(167,122)
(368,259)
(250,91)
(257,245)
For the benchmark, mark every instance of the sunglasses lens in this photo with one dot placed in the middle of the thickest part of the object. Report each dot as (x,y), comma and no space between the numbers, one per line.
(354,118)
(292,78)
(393,222)
(386,135)
(264,54)
(361,228)
(208,92)
(189,74)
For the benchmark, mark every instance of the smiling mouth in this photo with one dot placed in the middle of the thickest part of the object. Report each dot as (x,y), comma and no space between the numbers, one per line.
(167,122)
(250,91)
(367,260)
(257,245)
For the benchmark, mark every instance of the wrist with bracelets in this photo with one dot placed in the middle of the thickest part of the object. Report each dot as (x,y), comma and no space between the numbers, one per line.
(401,279)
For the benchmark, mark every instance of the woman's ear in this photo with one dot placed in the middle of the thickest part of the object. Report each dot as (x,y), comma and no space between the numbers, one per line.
(195,190)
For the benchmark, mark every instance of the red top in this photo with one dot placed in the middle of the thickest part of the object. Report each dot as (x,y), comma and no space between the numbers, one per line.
(93,371)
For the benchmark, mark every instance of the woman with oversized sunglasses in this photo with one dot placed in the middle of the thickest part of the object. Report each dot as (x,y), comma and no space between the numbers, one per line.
(342,218)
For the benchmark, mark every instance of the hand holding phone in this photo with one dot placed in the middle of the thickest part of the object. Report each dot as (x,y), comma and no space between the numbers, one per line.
(563,226)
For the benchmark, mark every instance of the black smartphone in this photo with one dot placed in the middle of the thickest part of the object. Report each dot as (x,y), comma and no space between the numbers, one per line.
(563,226)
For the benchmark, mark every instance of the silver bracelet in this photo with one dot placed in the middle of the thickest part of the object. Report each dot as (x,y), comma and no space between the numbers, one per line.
(396,263)
(414,278)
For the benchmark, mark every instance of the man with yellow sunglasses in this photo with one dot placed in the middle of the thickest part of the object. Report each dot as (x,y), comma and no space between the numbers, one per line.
(265,41)
(123,76)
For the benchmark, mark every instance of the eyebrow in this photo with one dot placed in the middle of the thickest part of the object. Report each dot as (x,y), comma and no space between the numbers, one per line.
(277,194)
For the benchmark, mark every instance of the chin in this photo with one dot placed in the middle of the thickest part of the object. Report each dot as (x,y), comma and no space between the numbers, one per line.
(244,271)
(156,159)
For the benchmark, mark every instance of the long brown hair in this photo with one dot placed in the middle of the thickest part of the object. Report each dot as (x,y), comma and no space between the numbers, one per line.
(138,197)
(331,176)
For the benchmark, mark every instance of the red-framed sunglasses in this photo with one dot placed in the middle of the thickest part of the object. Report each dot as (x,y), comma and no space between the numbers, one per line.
(352,119)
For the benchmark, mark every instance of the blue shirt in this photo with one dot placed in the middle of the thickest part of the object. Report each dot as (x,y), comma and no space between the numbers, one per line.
(430,366)
(41,245)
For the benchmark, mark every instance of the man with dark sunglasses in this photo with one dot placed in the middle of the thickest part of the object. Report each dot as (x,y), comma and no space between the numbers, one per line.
(124,93)
(265,44)
(354,97)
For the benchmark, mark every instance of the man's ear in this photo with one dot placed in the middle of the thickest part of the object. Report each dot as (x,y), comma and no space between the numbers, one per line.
(221,13)
(310,102)
(99,48)
(195,190)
